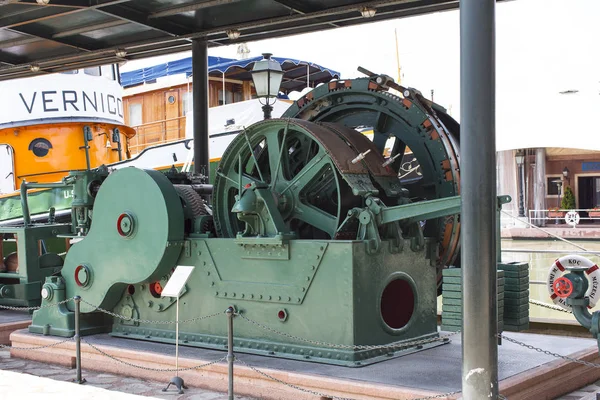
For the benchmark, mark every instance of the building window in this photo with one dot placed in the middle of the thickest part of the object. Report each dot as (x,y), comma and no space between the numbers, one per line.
(108,72)
(552,187)
(135,114)
(94,71)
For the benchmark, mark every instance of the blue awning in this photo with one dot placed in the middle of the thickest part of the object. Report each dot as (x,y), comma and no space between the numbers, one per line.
(245,64)
(149,74)
(295,76)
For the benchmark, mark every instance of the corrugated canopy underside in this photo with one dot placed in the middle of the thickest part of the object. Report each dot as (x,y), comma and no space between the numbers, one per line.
(69,34)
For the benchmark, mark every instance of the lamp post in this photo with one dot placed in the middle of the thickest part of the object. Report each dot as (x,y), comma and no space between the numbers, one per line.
(267,76)
(566,172)
(558,183)
(520,158)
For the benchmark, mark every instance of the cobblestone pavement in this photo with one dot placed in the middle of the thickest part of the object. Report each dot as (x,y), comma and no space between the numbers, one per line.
(153,389)
(586,393)
(106,381)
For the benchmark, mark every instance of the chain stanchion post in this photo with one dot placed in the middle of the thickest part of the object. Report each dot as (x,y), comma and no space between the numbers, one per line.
(78,379)
(230,356)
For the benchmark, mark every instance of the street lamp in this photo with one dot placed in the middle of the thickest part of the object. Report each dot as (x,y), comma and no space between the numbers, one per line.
(566,172)
(267,76)
(520,158)
(558,184)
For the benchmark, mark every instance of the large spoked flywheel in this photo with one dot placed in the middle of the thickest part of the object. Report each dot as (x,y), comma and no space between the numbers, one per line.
(305,167)
(398,124)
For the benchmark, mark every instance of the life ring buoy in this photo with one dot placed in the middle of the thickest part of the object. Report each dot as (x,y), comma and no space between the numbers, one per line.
(558,270)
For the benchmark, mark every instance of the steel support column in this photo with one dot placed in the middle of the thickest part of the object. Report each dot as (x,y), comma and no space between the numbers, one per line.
(479,203)
(200,105)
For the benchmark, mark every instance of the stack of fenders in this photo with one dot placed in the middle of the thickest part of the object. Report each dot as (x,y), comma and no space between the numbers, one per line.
(452,300)
(516,296)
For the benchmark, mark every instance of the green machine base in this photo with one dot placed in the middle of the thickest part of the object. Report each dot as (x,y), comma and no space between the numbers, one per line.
(351,299)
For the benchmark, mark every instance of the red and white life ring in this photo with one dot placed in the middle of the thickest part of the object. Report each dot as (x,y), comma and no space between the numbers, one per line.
(558,269)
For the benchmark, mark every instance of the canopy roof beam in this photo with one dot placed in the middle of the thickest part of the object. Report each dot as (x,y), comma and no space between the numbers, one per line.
(131,15)
(48,36)
(189,7)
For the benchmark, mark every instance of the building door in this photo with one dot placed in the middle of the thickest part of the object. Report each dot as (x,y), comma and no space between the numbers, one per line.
(7,169)
(589,192)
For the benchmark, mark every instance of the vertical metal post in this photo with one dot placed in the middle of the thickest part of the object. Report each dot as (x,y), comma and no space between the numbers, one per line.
(177,338)
(521,191)
(77,338)
(87,132)
(224,101)
(200,105)
(230,357)
(25,204)
(479,202)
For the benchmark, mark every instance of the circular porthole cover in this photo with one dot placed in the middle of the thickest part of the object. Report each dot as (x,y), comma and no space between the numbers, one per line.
(40,147)
(171,99)
(397,303)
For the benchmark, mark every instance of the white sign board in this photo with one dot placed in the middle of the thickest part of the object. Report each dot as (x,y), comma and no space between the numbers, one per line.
(178,279)
(572,218)
(60,96)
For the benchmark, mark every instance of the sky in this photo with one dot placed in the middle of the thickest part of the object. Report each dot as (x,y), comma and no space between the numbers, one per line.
(542,47)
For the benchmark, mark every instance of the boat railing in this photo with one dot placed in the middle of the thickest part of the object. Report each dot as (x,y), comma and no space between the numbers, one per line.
(157,132)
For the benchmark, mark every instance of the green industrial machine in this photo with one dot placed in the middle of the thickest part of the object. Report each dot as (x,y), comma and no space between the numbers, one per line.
(402,123)
(30,252)
(308,232)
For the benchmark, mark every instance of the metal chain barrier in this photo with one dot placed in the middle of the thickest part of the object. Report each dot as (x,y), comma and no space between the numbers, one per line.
(149,368)
(322,395)
(37,307)
(147,321)
(539,350)
(346,346)
(550,306)
(5,346)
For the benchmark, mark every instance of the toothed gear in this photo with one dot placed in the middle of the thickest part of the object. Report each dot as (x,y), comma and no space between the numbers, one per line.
(194,204)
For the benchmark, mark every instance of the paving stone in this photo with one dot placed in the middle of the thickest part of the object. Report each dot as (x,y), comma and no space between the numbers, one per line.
(104,379)
(590,389)
(14,365)
(42,371)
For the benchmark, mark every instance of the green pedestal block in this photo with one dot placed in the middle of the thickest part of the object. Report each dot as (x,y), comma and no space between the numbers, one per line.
(516,274)
(22,287)
(516,302)
(59,319)
(451,272)
(322,291)
(517,282)
(446,308)
(452,280)
(509,294)
(514,266)
(452,302)
(509,309)
(515,317)
(516,328)
(516,322)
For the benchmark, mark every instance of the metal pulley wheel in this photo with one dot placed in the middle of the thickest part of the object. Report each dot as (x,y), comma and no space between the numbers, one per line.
(306,167)
(398,123)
